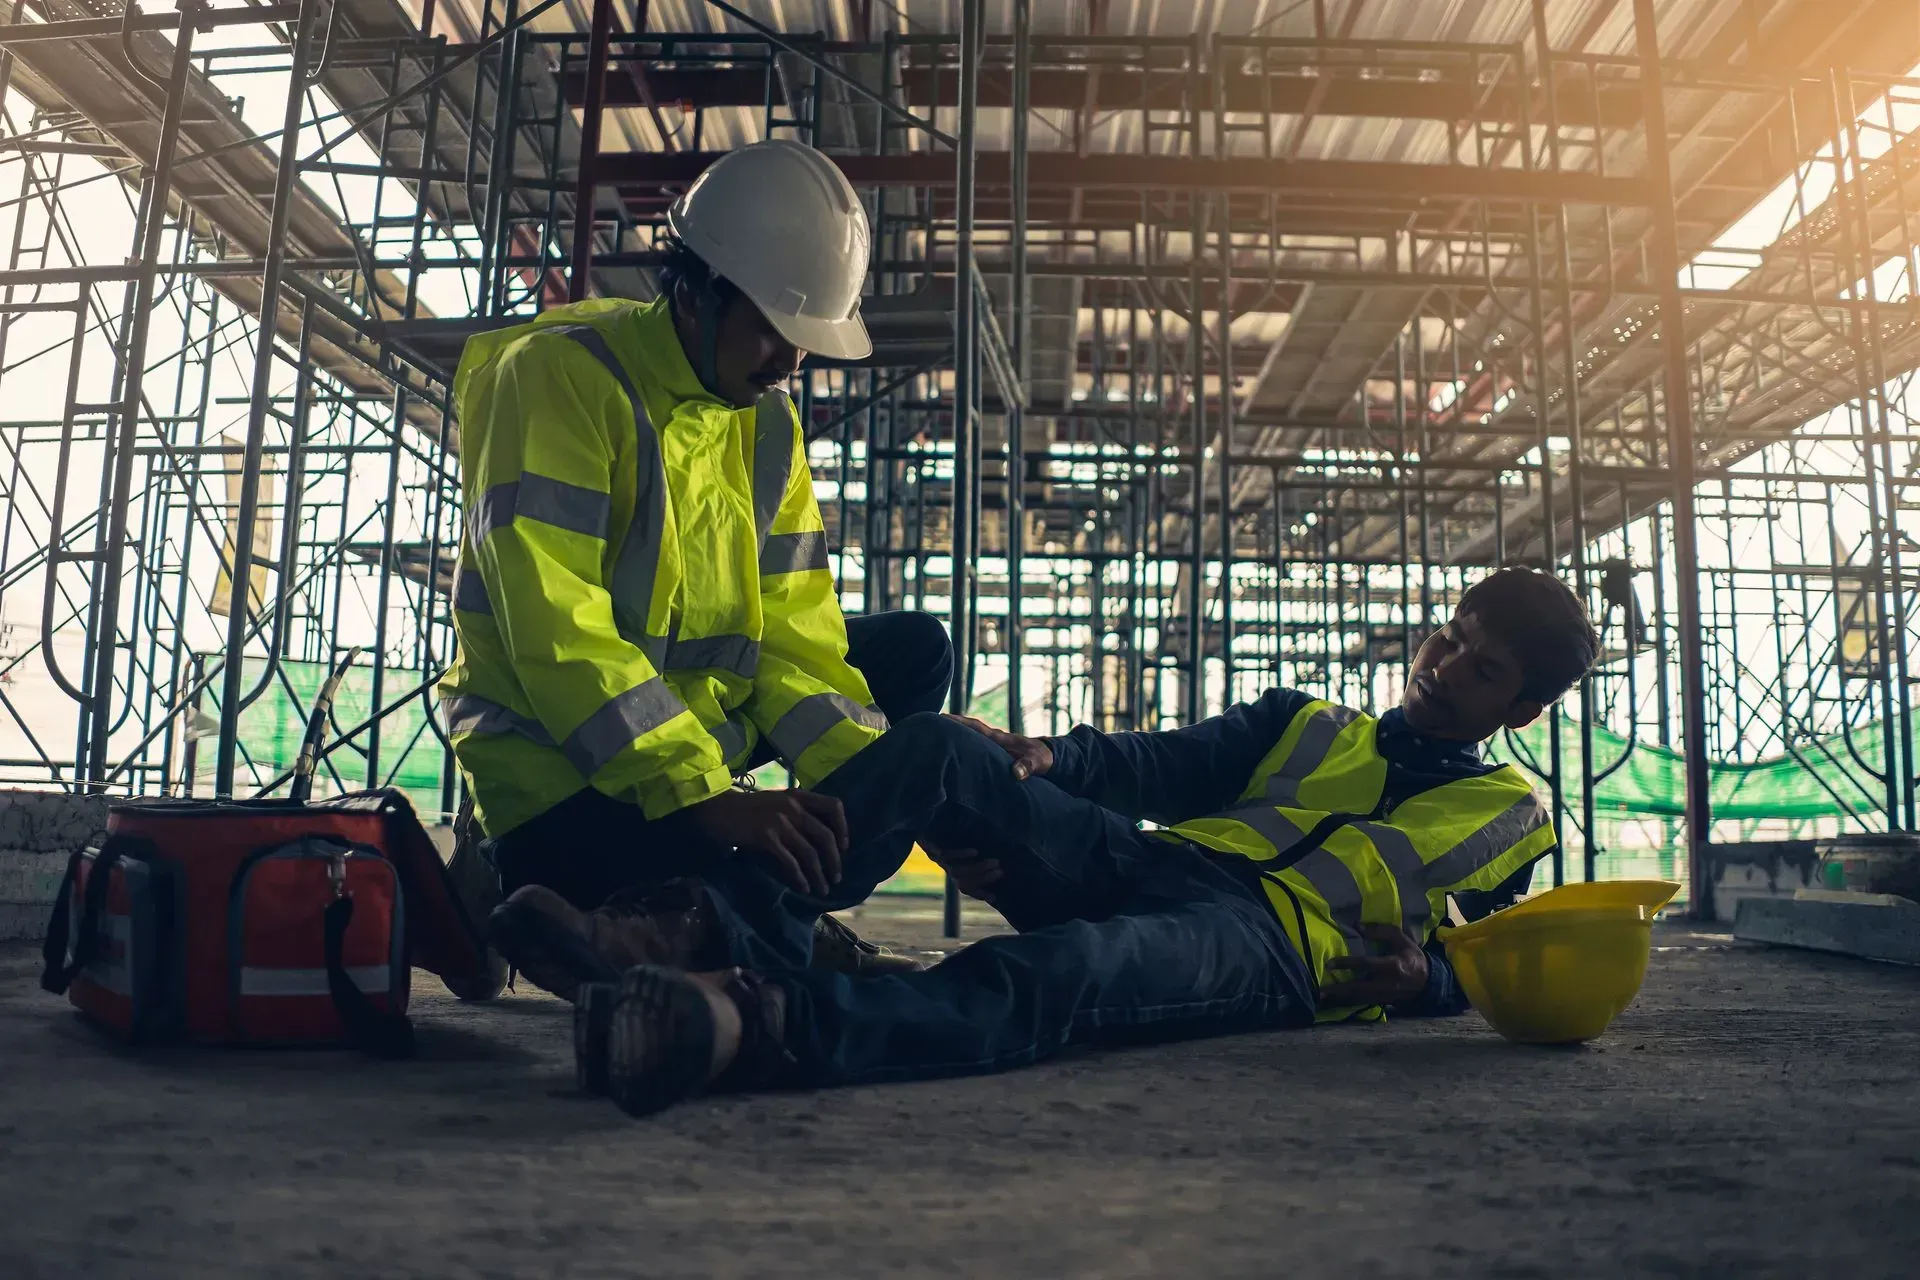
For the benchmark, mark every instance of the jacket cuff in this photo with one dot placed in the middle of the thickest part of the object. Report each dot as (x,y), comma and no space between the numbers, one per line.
(663,797)
(1442,997)
(1068,764)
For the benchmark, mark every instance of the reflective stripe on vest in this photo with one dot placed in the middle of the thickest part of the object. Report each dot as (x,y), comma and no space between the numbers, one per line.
(739,655)
(812,718)
(793,553)
(772,459)
(1309,753)
(537,497)
(1417,878)
(635,568)
(731,734)
(596,742)
(470,590)
(1333,882)
(592,746)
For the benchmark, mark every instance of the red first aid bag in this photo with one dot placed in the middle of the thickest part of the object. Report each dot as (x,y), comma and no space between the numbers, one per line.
(258,922)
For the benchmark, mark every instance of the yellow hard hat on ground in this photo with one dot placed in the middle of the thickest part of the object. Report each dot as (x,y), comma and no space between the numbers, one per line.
(1558,968)
(1651,894)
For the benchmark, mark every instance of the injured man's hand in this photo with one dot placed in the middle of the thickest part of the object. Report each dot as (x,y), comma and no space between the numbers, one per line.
(974,874)
(1398,975)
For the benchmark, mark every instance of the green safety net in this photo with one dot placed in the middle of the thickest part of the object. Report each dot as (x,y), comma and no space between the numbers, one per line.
(1823,777)
(272,726)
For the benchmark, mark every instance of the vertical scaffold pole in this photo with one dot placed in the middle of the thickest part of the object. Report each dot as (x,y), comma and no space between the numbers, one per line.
(240,572)
(1664,258)
(1023,362)
(966,426)
(586,182)
(99,718)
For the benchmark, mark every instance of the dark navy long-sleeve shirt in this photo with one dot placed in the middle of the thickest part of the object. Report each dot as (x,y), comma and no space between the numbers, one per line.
(1191,772)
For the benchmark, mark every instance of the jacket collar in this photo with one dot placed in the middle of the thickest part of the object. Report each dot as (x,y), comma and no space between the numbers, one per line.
(1396,740)
(666,360)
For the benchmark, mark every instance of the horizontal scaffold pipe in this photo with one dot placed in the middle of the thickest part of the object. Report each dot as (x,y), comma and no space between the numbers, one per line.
(1158,173)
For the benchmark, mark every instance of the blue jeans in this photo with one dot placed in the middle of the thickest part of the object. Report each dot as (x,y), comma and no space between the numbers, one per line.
(1122,936)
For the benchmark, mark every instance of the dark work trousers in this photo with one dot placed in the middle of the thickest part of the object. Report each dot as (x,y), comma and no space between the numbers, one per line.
(590,845)
(1124,936)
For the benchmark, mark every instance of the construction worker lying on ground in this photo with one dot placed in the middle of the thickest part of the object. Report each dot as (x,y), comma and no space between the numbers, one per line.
(1306,853)
(643,602)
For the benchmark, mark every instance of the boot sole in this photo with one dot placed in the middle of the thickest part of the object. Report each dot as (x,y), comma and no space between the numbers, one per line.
(659,1041)
(553,957)
(592,1020)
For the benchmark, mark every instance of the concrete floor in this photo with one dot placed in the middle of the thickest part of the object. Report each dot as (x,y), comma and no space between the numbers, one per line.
(1754,1114)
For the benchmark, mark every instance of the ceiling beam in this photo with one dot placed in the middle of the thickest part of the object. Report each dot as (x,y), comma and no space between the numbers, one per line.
(1126,89)
(1377,180)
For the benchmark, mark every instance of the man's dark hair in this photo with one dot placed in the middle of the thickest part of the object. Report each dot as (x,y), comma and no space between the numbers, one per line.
(680,263)
(1542,621)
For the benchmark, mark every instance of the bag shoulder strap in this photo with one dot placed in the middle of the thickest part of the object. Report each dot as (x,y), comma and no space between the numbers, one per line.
(57,972)
(384,1033)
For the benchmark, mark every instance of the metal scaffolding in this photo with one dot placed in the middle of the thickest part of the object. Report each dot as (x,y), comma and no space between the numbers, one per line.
(1203,362)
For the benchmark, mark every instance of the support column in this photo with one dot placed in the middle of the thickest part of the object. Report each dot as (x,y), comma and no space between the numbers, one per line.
(1576,485)
(1023,362)
(966,425)
(1664,258)
(1196,699)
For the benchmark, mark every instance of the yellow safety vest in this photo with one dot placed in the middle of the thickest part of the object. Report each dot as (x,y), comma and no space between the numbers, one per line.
(1340,859)
(643,591)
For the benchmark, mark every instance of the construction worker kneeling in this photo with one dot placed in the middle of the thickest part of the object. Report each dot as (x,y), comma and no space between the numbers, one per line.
(643,599)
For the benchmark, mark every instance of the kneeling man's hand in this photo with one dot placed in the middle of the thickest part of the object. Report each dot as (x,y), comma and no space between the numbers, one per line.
(1031,756)
(800,833)
(1397,976)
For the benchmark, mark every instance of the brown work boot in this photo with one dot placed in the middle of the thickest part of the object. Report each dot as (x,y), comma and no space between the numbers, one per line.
(671,1035)
(477,885)
(558,946)
(839,948)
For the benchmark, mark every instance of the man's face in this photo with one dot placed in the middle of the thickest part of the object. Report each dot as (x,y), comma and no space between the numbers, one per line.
(750,357)
(1465,685)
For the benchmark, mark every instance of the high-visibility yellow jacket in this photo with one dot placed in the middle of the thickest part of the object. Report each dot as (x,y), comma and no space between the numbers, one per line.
(1340,857)
(643,591)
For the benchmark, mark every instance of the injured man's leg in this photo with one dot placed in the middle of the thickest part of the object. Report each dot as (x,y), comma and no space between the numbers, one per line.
(1127,936)
(928,778)
(1196,956)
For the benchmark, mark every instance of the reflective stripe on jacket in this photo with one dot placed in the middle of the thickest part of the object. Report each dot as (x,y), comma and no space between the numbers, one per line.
(1335,857)
(643,591)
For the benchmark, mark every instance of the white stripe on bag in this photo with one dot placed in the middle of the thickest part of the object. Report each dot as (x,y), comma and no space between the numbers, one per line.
(373,978)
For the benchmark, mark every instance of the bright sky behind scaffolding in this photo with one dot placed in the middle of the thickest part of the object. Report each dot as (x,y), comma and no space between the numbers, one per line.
(98,226)
(1737,251)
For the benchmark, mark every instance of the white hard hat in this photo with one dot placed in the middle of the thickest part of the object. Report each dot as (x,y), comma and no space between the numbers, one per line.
(781,222)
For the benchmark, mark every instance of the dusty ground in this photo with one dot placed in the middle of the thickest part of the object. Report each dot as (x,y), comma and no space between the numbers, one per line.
(1755,1114)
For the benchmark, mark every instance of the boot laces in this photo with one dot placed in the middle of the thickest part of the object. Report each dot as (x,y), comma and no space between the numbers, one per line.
(653,899)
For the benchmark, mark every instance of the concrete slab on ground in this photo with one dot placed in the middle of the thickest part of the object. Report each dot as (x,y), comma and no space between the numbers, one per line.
(1752,1115)
(1869,926)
